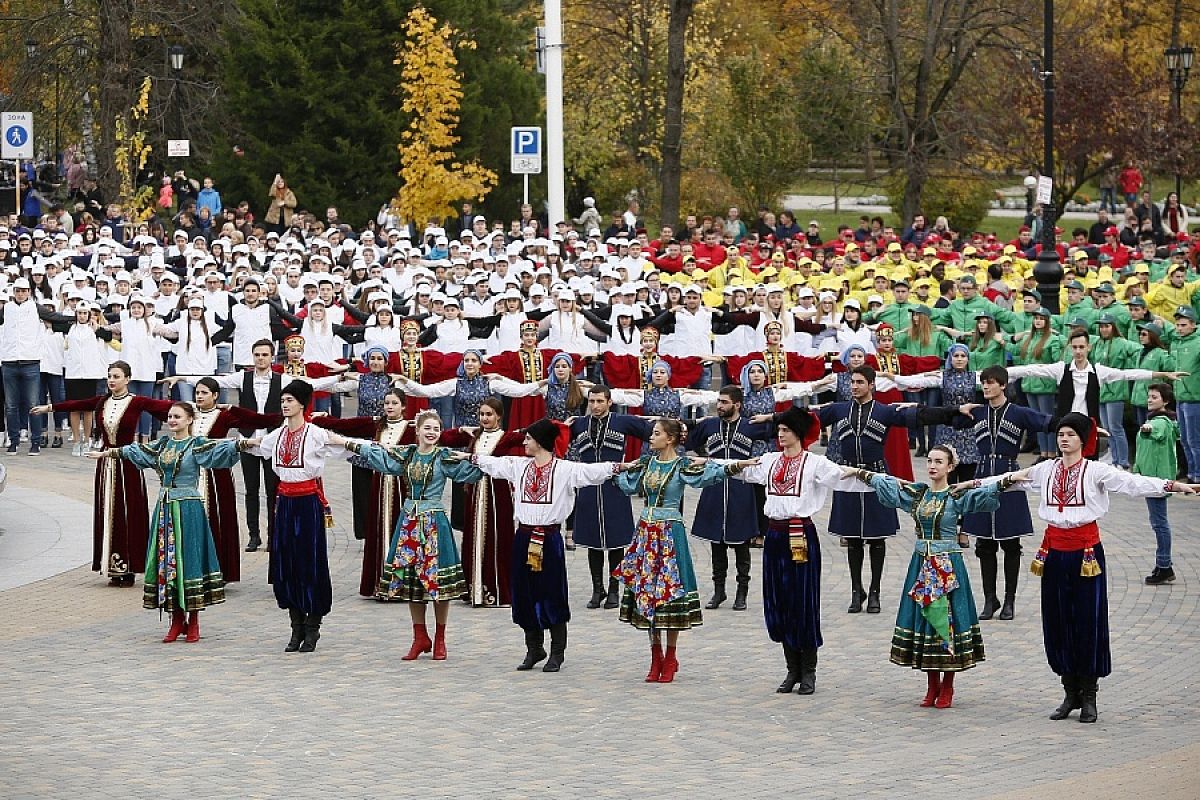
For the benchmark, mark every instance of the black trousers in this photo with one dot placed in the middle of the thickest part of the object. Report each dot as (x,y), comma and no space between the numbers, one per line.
(252,467)
(360,489)
(741,562)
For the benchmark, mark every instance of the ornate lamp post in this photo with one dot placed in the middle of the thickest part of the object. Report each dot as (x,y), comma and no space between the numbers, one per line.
(1179,64)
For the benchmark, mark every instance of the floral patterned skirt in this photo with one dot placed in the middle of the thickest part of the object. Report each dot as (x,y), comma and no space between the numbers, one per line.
(182,571)
(660,583)
(423,562)
(944,592)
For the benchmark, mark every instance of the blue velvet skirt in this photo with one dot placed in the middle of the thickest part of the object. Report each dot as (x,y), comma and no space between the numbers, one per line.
(1075,615)
(299,559)
(792,590)
(539,599)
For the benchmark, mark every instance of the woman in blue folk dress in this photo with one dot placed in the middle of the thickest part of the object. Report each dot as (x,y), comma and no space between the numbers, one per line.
(937,627)
(423,562)
(660,583)
(469,388)
(183,574)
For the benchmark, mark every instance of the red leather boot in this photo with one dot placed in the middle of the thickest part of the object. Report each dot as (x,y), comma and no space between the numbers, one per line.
(945,697)
(176,627)
(656,661)
(935,686)
(670,665)
(439,643)
(421,643)
(193,629)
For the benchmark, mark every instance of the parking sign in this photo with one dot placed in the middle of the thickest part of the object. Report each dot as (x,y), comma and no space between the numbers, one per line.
(526,151)
(17,129)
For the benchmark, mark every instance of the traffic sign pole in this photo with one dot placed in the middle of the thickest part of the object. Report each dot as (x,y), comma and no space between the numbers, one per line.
(525,194)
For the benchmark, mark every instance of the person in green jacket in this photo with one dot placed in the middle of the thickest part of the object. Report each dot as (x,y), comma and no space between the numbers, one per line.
(1079,305)
(1041,345)
(1113,350)
(1106,303)
(922,339)
(1185,349)
(897,312)
(1155,357)
(986,344)
(1156,441)
(960,313)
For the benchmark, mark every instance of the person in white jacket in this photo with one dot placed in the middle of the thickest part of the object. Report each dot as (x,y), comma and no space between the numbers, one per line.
(142,347)
(86,355)
(195,336)
(52,389)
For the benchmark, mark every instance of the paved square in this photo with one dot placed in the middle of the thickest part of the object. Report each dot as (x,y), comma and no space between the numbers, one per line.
(96,706)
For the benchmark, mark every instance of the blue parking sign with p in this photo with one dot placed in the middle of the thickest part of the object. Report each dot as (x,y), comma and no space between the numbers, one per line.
(527,141)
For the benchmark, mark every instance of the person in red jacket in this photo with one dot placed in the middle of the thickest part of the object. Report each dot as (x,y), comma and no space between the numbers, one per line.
(1130,181)
(671,260)
(1113,248)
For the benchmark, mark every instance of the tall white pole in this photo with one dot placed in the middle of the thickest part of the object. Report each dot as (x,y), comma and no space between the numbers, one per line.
(555,193)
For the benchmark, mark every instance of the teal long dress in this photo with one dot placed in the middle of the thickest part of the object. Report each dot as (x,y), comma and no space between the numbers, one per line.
(660,582)
(422,561)
(182,570)
(937,626)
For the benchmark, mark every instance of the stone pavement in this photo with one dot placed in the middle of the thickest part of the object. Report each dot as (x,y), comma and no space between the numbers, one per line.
(96,706)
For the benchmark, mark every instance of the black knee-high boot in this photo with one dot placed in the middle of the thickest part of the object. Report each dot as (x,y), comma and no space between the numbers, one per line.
(558,647)
(1012,573)
(878,549)
(596,567)
(312,632)
(854,557)
(985,550)
(535,649)
(613,599)
(297,618)
(720,568)
(741,555)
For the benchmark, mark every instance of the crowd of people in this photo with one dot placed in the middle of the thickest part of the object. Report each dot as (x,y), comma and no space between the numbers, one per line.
(497,359)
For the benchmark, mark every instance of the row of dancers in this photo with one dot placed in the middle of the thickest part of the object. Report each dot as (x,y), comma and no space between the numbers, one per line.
(937,628)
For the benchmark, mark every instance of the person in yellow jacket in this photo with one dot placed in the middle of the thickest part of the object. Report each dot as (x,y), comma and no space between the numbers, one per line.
(1175,290)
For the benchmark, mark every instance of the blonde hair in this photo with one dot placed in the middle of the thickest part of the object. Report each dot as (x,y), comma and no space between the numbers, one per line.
(428,413)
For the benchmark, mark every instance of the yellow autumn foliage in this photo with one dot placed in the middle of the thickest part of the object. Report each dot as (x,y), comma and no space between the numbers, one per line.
(132,152)
(433,180)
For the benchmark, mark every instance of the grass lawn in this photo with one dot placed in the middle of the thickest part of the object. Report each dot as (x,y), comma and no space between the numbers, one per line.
(1005,228)
(852,184)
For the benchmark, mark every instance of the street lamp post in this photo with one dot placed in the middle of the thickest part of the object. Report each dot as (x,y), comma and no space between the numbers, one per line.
(175,59)
(1179,64)
(1047,270)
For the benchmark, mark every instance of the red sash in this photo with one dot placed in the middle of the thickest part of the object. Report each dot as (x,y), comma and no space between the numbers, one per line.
(300,488)
(1080,538)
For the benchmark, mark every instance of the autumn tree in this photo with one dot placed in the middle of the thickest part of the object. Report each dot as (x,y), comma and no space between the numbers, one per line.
(1107,113)
(432,179)
(758,145)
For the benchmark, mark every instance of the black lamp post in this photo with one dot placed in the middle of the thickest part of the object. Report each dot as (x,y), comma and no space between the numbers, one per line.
(175,59)
(1179,64)
(1048,270)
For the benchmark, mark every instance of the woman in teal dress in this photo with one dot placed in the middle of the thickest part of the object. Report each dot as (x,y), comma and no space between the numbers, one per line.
(423,562)
(937,627)
(182,570)
(660,583)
